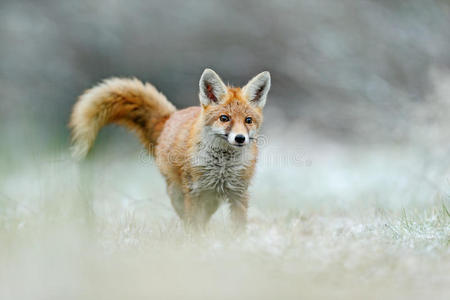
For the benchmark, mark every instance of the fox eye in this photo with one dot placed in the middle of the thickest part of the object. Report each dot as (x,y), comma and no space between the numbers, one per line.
(224,118)
(248,120)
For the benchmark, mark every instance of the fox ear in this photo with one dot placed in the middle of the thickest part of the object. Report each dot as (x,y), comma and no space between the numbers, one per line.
(212,88)
(257,88)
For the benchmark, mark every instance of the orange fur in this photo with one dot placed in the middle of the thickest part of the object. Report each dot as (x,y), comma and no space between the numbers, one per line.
(182,141)
(128,102)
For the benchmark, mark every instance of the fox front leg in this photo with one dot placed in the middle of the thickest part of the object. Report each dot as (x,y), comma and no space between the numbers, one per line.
(238,211)
(199,209)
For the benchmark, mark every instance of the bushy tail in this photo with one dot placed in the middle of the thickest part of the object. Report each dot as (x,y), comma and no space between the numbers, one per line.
(128,102)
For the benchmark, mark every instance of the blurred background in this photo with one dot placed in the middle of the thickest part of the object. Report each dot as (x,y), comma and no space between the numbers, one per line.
(354,72)
(353,183)
(354,79)
(362,76)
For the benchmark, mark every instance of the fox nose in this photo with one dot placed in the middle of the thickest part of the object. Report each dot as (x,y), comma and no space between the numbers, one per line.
(239,138)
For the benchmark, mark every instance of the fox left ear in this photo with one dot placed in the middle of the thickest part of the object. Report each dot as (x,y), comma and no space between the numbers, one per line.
(212,88)
(257,88)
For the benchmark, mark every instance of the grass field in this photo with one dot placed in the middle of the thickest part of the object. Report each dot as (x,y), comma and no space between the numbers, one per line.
(332,224)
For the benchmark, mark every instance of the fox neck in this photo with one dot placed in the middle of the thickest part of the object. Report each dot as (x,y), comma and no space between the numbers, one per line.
(217,155)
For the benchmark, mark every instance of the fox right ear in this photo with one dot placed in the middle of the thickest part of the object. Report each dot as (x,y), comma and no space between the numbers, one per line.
(257,88)
(212,88)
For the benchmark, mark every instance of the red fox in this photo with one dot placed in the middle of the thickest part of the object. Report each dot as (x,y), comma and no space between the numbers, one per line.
(206,153)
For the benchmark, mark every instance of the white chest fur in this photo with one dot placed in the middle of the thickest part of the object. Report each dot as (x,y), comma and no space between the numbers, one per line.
(221,167)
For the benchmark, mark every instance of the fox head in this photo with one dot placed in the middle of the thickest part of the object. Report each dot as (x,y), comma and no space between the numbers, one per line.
(232,113)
